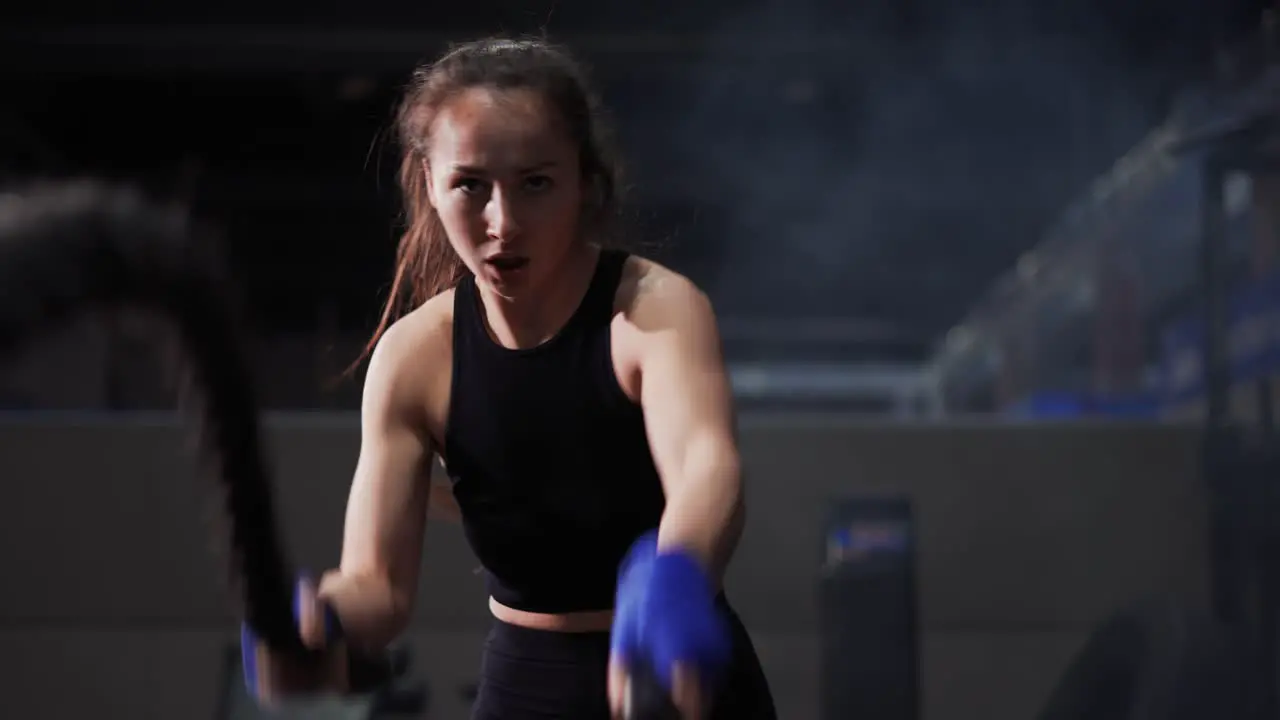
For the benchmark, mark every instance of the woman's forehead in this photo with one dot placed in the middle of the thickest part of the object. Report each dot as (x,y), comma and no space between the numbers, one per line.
(485,128)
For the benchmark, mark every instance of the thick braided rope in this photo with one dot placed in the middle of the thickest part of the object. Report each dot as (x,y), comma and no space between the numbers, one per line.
(79,247)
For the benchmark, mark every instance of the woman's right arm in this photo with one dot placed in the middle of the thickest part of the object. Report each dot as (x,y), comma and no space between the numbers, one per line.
(373,589)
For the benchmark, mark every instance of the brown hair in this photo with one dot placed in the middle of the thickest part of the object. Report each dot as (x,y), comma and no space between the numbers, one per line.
(426,263)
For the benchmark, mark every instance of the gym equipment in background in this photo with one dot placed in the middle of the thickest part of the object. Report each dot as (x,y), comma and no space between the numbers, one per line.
(867,611)
(381,689)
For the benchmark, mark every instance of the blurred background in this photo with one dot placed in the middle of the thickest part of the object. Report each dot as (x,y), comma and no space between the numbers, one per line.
(1013,261)
(900,207)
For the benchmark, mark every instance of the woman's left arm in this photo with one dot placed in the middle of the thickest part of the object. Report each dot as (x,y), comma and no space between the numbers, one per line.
(688,408)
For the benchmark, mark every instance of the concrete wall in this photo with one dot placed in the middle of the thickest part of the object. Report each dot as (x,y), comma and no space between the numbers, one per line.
(114,603)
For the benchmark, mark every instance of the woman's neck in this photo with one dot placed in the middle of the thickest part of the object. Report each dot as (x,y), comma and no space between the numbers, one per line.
(536,316)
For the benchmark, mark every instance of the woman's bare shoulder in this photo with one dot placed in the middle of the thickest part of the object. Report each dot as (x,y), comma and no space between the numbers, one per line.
(646,283)
(418,346)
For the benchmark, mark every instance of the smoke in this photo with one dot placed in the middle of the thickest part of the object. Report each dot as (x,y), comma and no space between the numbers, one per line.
(880,166)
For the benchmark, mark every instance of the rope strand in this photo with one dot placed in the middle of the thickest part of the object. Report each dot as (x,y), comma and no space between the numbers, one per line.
(71,248)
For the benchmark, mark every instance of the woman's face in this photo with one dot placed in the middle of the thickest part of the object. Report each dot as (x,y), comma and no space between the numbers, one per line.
(504,178)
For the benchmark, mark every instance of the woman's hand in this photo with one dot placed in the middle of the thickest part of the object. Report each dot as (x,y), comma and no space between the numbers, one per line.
(270,677)
(670,646)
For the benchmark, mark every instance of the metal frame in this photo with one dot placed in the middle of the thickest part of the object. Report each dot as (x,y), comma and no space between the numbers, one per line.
(400,699)
(1238,467)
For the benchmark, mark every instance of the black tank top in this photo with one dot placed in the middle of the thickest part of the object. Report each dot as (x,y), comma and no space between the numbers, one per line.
(549,459)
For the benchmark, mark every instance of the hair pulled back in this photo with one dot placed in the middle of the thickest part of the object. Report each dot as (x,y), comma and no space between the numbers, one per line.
(426,263)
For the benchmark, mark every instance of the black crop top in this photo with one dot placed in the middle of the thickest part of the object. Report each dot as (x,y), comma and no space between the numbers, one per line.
(549,458)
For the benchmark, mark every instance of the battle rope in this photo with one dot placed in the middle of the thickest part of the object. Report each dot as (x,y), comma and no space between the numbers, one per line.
(73,248)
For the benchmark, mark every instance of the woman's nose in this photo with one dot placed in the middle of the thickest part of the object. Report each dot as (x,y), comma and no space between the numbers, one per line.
(501,216)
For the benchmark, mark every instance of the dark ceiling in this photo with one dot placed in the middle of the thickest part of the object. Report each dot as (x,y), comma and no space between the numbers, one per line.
(878,165)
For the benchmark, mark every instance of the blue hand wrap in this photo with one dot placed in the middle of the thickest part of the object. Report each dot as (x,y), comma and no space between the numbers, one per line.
(666,614)
(249,639)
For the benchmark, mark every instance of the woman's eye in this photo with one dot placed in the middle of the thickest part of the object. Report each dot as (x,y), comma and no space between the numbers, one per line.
(537,183)
(469,186)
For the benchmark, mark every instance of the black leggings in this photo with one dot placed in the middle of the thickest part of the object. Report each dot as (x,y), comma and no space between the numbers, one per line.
(539,675)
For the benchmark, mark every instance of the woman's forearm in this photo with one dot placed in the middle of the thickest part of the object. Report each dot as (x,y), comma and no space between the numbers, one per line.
(372,613)
(372,609)
(706,512)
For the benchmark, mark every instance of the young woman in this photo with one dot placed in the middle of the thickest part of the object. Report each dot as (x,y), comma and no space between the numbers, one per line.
(577,397)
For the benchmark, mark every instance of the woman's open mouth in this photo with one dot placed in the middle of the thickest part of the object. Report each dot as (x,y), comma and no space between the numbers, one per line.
(505,263)
(506,267)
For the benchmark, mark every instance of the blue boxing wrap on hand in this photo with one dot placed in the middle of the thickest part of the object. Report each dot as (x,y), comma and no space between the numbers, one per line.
(249,639)
(666,615)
